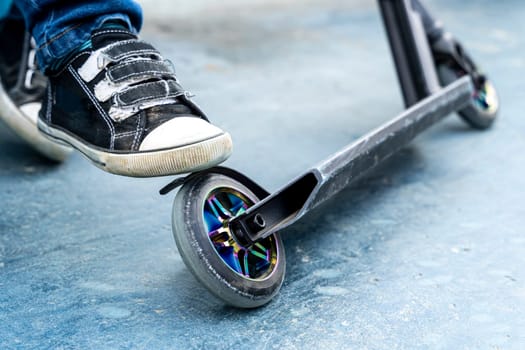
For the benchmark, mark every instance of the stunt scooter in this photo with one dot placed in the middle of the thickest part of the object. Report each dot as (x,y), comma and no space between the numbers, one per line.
(226,226)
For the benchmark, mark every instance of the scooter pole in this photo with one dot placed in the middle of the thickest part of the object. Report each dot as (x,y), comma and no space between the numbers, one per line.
(407,35)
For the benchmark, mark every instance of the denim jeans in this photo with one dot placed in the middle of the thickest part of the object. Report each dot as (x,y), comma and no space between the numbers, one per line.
(5,6)
(61,26)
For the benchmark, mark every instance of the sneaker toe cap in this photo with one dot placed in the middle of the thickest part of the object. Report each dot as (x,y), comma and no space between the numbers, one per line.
(179,132)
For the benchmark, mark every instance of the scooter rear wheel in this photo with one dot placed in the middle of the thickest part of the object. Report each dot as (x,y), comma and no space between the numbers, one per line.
(242,277)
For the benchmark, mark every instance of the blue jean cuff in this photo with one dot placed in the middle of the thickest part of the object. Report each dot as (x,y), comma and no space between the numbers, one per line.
(72,38)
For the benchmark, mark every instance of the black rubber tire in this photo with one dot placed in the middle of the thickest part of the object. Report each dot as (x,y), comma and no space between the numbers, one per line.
(473,115)
(200,256)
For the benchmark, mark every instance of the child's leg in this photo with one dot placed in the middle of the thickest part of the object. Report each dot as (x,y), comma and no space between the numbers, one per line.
(62,26)
(5,7)
(114,97)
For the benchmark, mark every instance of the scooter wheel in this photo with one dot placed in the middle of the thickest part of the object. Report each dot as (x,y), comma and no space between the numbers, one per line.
(242,277)
(484,105)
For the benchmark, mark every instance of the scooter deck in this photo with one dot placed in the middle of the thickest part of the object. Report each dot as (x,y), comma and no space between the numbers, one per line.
(321,182)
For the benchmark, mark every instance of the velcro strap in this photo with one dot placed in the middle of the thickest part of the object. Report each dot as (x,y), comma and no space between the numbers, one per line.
(138,70)
(148,92)
(100,59)
(129,48)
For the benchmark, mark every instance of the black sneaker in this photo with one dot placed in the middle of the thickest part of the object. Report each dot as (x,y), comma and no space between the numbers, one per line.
(22,88)
(120,104)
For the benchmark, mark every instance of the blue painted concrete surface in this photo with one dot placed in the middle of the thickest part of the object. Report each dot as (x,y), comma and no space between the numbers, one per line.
(428,252)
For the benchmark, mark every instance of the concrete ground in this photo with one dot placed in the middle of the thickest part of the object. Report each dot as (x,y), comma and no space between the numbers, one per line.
(428,252)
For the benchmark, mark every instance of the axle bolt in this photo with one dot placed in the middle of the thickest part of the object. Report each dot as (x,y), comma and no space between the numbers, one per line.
(259,221)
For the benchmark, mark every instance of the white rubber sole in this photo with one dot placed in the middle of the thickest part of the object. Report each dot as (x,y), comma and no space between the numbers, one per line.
(26,128)
(184,159)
